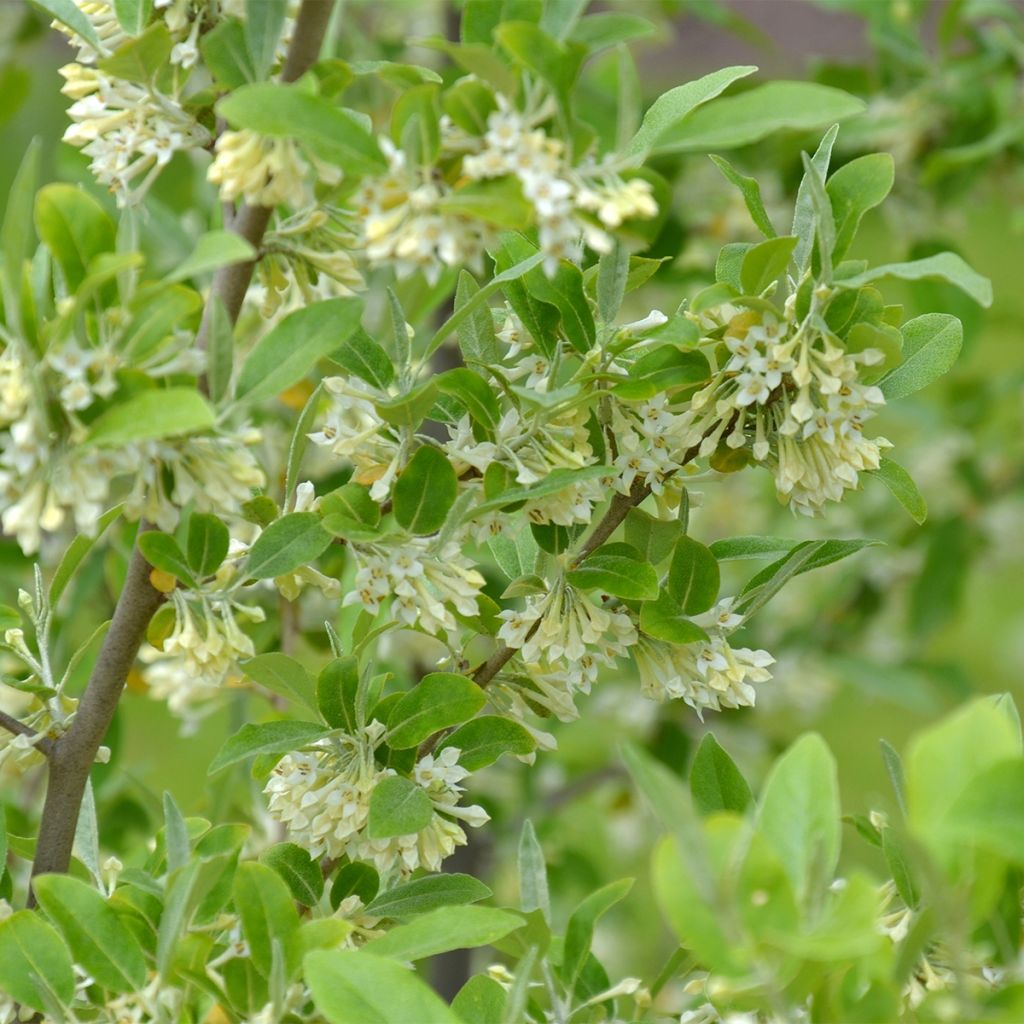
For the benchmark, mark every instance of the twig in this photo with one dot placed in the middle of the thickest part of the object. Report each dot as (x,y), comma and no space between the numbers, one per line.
(42,743)
(71,757)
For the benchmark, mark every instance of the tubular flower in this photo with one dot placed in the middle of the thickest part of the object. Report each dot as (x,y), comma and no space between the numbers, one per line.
(323,797)
(262,170)
(792,395)
(422,580)
(707,674)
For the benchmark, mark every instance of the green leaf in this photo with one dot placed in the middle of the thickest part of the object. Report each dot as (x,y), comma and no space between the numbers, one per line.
(162,552)
(478,299)
(133,14)
(739,120)
(715,781)
(693,576)
(612,274)
(74,227)
(34,962)
(214,249)
(945,760)
(854,189)
(439,700)
(281,737)
(287,544)
(931,345)
(75,554)
(895,853)
(422,895)
(556,63)
(480,1001)
(284,355)
(207,544)
(99,940)
(334,135)
(398,807)
(903,488)
(408,410)
(299,871)
(557,480)
(355,879)
(990,811)
(337,688)
(350,986)
(264,20)
(425,491)
(176,838)
(70,14)
(599,31)
(349,509)
(579,932)
(366,359)
(268,915)
(533,873)
(220,356)
(945,266)
(617,575)
(799,815)
(810,219)
(473,392)
(564,290)
(654,538)
(16,235)
(670,110)
(751,547)
(444,929)
(284,676)
(477,338)
(226,54)
(151,415)
(664,620)
(483,740)
(142,58)
(751,191)
(803,557)
(763,263)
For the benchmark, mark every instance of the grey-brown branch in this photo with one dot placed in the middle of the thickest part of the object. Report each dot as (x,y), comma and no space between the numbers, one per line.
(71,757)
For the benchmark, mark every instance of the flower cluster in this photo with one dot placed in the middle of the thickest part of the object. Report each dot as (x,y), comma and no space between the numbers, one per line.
(563,638)
(411,218)
(262,170)
(793,395)
(354,430)
(323,797)
(708,674)
(562,196)
(129,131)
(405,224)
(201,653)
(423,579)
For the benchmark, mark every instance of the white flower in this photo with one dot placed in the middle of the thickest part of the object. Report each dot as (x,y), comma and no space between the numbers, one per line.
(261,169)
(424,581)
(793,395)
(323,797)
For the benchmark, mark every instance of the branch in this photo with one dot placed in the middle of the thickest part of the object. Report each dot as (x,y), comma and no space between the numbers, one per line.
(617,510)
(42,743)
(72,756)
(230,283)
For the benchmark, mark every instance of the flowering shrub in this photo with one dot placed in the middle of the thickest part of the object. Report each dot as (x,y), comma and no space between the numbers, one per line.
(382,469)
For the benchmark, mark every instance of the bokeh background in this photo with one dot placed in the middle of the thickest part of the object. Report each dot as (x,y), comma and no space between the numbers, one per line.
(874,647)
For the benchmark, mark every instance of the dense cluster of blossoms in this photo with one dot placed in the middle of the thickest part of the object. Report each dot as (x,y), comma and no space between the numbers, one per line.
(563,637)
(707,675)
(202,651)
(794,396)
(323,798)
(410,214)
(355,431)
(129,130)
